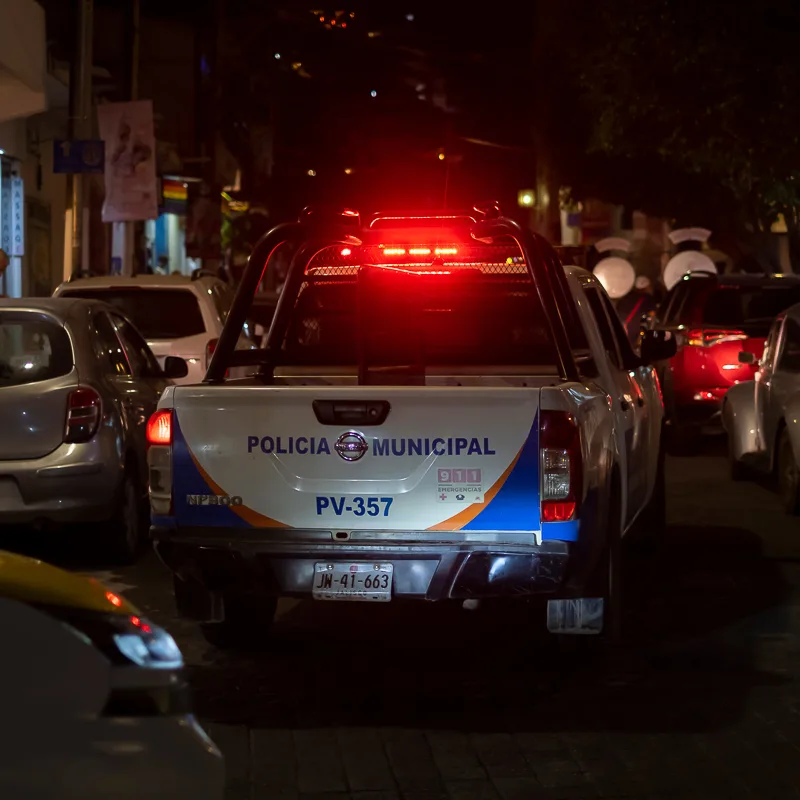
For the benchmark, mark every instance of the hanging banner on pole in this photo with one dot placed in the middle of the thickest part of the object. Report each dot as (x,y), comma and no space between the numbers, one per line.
(130,161)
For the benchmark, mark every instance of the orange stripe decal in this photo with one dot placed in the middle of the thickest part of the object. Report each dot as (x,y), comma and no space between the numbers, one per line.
(458,521)
(251,517)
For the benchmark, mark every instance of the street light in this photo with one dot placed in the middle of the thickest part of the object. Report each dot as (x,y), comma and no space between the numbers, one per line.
(526,198)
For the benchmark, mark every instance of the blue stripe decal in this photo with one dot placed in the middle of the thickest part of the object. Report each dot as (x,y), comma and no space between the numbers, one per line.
(162,522)
(186,479)
(516,506)
(560,531)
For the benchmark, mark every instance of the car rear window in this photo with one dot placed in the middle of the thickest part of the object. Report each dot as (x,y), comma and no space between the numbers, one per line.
(157,313)
(748,307)
(393,318)
(33,348)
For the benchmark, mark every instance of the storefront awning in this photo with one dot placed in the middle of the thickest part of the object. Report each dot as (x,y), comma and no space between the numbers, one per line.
(23,59)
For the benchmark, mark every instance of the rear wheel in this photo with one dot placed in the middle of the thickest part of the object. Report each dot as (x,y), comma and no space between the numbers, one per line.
(126,531)
(651,526)
(247,624)
(606,582)
(788,475)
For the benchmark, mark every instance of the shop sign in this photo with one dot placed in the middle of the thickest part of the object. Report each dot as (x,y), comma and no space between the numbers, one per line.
(17,243)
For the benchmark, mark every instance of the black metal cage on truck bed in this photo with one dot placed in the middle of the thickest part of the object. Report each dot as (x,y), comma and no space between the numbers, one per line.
(479,264)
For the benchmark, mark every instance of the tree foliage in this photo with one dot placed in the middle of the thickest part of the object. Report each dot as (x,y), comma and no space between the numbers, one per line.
(680,98)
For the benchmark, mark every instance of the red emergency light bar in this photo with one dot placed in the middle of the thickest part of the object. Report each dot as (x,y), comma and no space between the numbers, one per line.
(410,251)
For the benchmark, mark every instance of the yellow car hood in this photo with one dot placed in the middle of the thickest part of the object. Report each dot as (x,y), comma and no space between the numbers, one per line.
(32,581)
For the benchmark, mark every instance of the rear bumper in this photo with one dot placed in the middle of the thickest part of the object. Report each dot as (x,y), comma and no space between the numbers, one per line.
(74,483)
(219,561)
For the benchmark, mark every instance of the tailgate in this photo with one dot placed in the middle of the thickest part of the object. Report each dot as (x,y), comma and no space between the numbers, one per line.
(306,458)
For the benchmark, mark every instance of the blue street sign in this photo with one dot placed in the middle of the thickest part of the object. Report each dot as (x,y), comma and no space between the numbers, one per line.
(78,156)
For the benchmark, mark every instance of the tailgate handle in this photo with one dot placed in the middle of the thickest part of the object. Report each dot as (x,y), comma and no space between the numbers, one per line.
(351,412)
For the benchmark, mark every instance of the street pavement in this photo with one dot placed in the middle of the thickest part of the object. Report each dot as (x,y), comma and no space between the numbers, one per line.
(422,702)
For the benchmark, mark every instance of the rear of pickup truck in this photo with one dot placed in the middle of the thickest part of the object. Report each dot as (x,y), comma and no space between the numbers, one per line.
(465,474)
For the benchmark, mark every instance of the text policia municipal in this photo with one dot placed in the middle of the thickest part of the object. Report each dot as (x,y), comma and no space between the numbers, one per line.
(319,446)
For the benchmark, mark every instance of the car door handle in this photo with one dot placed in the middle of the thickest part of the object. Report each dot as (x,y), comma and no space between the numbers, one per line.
(624,404)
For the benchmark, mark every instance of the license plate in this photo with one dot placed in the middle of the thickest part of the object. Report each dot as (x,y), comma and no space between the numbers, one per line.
(367,582)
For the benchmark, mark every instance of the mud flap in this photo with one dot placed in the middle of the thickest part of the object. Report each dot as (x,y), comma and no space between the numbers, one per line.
(580,616)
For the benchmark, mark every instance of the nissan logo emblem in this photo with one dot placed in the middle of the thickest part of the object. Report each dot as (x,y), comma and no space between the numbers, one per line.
(351,446)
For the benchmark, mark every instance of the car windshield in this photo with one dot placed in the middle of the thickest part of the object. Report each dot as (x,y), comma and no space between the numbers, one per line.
(33,348)
(391,318)
(752,308)
(157,313)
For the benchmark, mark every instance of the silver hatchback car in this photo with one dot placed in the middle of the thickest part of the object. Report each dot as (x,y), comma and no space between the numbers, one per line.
(77,386)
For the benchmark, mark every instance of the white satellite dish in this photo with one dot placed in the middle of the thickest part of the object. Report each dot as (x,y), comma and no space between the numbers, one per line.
(613,243)
(689,235)
(687,261)
(616,275)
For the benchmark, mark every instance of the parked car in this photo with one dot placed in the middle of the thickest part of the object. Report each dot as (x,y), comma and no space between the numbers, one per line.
(94,702)
(77,385)
(762,416)
(714,317)
(177,316)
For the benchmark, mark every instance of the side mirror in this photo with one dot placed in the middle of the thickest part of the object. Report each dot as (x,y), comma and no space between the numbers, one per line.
(657,345)
(747,358)
(175,368)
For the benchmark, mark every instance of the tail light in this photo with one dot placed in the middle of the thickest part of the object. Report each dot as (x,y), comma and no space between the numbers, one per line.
(210,348)
(83,415)
(709,337)
(159,428)
(159,461)
(562,466)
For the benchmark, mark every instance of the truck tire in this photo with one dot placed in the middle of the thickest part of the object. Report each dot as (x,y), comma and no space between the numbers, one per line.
(650,529)
(606,582)
(247,624)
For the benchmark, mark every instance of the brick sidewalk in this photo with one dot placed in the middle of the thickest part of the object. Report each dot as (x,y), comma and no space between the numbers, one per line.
(716,717)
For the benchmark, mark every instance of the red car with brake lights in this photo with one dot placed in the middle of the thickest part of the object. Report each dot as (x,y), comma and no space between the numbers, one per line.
(714,317)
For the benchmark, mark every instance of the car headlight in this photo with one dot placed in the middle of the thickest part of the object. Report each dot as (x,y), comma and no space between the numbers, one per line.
(123,638)
(148,645)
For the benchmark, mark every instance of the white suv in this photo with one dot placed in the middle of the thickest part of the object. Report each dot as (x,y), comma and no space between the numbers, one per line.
(177,316)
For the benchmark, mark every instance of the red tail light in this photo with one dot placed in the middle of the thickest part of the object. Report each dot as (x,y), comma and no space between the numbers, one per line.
(210,348)
(83,415)
(708,337)
(159,428)
(159,461)
(562,466)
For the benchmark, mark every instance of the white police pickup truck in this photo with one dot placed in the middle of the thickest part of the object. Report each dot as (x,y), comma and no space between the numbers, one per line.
(441,411)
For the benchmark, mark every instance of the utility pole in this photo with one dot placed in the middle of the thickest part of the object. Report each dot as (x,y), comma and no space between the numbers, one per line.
(80,127)
(129,229)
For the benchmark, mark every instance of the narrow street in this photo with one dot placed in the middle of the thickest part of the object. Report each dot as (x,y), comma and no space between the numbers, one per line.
(422,702)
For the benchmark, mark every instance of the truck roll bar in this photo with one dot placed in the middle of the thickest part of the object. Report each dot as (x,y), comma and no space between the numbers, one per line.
(549,279)
(324,233)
